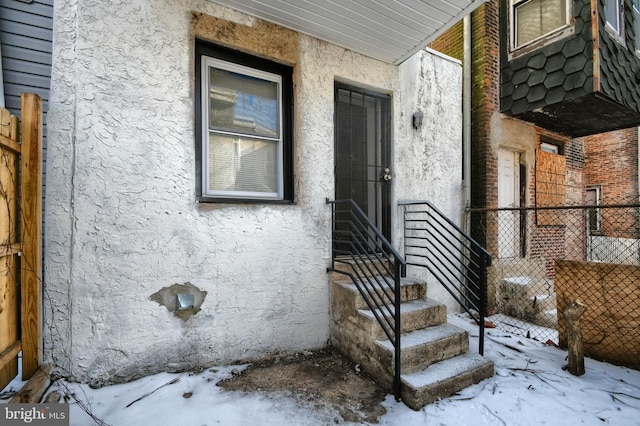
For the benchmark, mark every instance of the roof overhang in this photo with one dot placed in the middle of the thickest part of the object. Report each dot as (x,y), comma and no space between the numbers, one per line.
(390,31)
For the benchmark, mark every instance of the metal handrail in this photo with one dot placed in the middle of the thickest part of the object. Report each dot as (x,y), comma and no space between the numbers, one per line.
(376,269)
(456,261)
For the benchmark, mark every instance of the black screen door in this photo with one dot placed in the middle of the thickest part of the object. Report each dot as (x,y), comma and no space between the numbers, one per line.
(362,152)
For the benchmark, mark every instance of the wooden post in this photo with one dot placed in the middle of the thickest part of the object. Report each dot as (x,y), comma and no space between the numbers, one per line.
(574,336)
(31,234)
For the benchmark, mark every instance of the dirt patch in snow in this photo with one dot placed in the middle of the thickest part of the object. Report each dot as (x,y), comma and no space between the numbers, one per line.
(320,378)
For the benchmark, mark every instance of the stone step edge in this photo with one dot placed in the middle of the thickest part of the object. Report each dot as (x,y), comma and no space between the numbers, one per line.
(404,281)
(444,378)
(424,336)
(412,314)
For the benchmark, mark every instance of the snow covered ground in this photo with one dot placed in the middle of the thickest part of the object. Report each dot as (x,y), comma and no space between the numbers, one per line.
(529,388)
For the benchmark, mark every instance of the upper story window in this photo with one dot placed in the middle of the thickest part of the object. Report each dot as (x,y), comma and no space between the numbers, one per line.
(244,128)
(612,14)
(535,19)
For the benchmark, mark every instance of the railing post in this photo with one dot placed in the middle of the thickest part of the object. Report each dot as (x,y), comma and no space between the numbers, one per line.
(397,332)
(483,300)
(403,270)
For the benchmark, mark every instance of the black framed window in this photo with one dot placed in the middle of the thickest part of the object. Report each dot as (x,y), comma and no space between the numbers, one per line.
(243,127)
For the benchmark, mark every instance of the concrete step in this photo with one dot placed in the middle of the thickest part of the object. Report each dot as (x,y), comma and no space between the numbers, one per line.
(543,302)
(421,348)
(435,359)
(346,293)
(548,319)
(523,287)
(415,315)
(444,379)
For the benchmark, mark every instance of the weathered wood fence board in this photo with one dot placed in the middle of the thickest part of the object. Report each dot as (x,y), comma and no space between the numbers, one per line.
(9,324)
(550,185)
(611,324)
(21,217)
(31,234)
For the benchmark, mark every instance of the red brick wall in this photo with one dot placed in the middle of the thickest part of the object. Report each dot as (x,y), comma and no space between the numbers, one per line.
(612,163)
(451,42)
(486,101)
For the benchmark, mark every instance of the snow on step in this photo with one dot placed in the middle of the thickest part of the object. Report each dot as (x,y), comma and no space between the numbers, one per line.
(445,370)
(407,307)
(427,335)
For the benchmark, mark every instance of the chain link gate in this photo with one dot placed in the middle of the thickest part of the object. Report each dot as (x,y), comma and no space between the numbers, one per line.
(546,257)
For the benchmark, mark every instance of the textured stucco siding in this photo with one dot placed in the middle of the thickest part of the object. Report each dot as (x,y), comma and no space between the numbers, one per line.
(122,220)
(428,160)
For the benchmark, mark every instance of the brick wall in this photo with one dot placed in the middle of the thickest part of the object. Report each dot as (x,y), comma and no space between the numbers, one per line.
(451,42)
(612,164)
(612,161)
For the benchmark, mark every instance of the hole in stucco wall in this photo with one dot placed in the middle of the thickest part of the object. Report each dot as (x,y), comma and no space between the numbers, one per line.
(171,298)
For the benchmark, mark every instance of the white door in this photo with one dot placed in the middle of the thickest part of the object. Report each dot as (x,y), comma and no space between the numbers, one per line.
(508,196)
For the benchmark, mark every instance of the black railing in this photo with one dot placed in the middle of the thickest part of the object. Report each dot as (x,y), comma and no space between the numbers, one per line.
(373,265)
(453,258)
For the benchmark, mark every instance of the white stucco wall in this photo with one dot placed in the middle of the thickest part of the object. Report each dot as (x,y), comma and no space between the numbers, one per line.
(121,217)
(429,159)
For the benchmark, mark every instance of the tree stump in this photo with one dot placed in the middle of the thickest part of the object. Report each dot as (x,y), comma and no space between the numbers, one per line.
(574,336)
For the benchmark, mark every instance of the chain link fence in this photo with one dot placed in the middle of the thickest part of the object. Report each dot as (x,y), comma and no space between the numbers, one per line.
(544,258)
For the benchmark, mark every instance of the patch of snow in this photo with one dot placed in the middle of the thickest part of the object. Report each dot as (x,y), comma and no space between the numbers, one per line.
(14,385)
(529,387)
(518,327)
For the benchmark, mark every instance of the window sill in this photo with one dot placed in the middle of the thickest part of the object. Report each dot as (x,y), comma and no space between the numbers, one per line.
(238,201)
(552,37)
(615,35)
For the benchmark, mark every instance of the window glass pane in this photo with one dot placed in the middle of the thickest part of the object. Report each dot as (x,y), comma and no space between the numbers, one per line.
(550,148)
(536,18)
(243,104)
(242,164)
(612,13)
(593,214)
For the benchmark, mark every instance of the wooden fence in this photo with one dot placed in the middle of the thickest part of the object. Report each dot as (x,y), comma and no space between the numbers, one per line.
(611,293)
(21,240)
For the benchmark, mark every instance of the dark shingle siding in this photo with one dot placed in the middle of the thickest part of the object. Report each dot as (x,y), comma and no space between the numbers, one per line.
(570,54)
(618,62)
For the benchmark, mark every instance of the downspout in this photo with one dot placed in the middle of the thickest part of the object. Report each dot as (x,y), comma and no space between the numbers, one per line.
(466,122)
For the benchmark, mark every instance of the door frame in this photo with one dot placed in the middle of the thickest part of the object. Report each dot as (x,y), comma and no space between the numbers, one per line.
(378,175)
(513,247)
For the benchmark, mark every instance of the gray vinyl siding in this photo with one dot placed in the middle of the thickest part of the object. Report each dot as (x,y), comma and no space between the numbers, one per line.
(26,32)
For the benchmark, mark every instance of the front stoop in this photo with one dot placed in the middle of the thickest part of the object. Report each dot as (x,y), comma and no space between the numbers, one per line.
(436,362)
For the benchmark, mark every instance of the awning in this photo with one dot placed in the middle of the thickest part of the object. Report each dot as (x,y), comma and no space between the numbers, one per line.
(388,30)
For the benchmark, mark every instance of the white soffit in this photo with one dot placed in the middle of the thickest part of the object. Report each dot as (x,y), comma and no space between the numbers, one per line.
(388,30)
